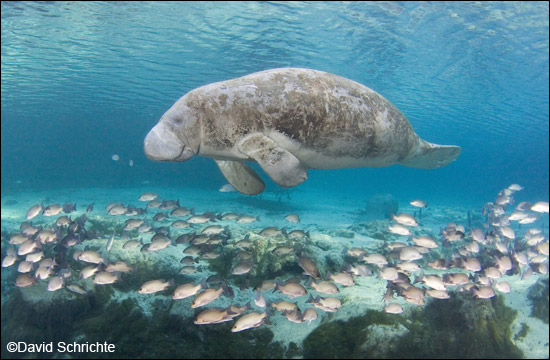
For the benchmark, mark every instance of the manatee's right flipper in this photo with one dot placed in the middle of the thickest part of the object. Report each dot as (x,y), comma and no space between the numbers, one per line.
(431,156)
(242,177)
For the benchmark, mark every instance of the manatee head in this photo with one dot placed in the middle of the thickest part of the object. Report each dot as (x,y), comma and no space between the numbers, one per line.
(176,137)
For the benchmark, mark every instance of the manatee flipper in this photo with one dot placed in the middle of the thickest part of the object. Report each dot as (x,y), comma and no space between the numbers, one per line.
(242,177)
(431,156)
(280,164)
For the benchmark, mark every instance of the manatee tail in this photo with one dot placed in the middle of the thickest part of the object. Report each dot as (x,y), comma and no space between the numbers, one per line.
(431,156)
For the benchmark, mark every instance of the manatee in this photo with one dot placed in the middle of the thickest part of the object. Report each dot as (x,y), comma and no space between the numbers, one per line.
(289,120)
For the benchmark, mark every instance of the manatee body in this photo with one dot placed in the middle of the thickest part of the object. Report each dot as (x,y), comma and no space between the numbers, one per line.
(290,120)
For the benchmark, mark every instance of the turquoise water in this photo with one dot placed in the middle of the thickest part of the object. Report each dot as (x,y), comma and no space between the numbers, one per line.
(82,81)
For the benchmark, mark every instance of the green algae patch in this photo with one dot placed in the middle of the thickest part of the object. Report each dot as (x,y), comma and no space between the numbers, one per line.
(461,327)
(538,294)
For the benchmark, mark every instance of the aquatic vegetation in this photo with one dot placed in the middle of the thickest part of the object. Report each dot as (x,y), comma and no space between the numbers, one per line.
(460,327)
(32,320)
(523,331)
(343,339)
(538,294)
(103,225)
(381,206)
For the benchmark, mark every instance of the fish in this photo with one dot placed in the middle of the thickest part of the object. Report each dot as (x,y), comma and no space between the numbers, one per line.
(34,211)
(388,273)
(251,320)
(148,196)
(109,244)
(309,267)
(52,210)
(105,278)
(230,217)
(242,267)
(540,207)
(117,209)
(328,304)
(212,316)
(90,208)
(69,208)
(282,250)
(413,295)
(515,187)
(189,270)
(438,294)
(42,273)
(483,292)
(24,280)
(213,230)
(399,230)
(119,266)
(199,219)
(342,278)
(207,296)
(309,315)
(247,219)
(291,289)
(259,299)
(271,232)
(405,219)
(356,252)
(181,211)
(24,267)
(132,224)
(89,271)
(8,260)
(393,308)
(293,218)
(77,289)
(115,157)
(27,247)
(131,163)
(17,239)
(55,283)
(425,241)
(227,188)
(154,204)
(90,256)
(297,234)
(409,253)
(375,259)
(419,203)
(503,286)
(154,286)
(284,306)
(294,316)
(131,244)
(325,287)
(471,264)
(189,289)
(34,257)
(408,266)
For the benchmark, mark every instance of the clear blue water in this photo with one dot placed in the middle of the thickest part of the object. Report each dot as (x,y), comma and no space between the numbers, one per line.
(82,81)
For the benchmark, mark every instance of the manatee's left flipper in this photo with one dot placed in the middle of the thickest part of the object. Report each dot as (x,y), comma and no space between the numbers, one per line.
(243,178)
(281,165)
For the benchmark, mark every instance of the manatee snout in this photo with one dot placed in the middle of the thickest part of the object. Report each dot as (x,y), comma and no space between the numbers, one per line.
(162,144)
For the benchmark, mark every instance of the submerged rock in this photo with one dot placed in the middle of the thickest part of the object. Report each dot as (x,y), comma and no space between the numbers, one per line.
(381,206)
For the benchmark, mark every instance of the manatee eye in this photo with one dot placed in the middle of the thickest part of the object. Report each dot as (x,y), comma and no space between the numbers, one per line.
(177,120)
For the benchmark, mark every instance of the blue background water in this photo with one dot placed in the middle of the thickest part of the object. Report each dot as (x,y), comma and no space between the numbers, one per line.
(83,81)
